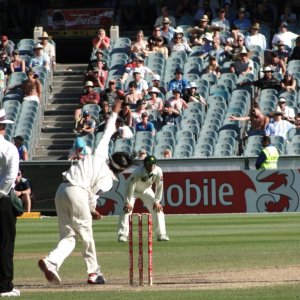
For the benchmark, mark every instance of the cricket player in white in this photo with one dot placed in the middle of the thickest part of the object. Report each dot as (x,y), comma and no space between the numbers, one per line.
(139,185)
(75,202)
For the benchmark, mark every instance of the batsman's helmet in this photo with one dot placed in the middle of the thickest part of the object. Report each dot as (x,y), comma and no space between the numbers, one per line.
(150,160)
(120,161)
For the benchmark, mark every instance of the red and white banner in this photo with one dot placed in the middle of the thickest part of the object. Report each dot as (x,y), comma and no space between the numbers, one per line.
(218,192)
(78,22)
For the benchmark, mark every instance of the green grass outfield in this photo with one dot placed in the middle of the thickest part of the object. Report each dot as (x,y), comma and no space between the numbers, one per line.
(254,256)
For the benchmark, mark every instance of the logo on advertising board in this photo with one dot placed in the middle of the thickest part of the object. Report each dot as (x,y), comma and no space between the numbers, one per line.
(275,191)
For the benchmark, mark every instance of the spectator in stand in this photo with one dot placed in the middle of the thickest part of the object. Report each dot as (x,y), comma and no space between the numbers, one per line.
(178,83)
(161,47)
(137,114)
(167,153)
(192,95)
(88,97)
(23,191)
(111,93)
(141,84)
(17,64)
(5,64)
(178,44)
(154,102)
(98,76)
(49,49)
(145,124)
(203,11)
(139,47)
(263,14)
(2,82)
(123,130)
(167,31)
(153,39)
(6,46)
(22,149)
(296,50)
(79,149)
(242,22)
(289,17)
(157,83)
(279,126)
(31,87)
(104,112)
(284,35)
(288,112)
(194,36)
(142,154)
(101,41)
(217,51)
(144,70)
(255,38)
(207,44)
(204,24)
(283,54)
(94,62)
(173,108)
(234,44)
(276,64)
(86,124)
(132,96)
(220,21)
(288,83)
(244,65)
(267,82)
(259,123)
(213,67)
(165,14)
(126,113)
(39,58)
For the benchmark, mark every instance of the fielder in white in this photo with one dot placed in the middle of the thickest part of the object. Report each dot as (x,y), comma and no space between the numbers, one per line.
(139,185)
(75,202)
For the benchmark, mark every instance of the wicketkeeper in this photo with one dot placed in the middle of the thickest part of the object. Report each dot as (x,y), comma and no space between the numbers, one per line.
(140,185)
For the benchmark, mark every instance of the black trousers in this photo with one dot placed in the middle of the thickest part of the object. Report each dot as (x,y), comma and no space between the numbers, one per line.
(7,244)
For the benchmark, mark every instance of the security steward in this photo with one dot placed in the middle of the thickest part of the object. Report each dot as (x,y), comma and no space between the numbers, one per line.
(268,157)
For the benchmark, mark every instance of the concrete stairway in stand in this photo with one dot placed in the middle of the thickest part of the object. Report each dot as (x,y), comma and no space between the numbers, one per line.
(57,136)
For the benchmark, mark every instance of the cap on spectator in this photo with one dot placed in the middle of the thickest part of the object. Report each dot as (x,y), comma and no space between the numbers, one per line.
(3,118)
(205,18)
(192,85)
(166,20)
(178,30)
(194,29)
(179,70)
(268,69)
(242,9)
(79,143)
(86,113)
(255,26)
(38,46)
(280,43)
(176,91)
(4,38)
(44,36)
(281,99)
(137,71)
(244,51)
(88,83)
(284,24)
(145,114)
(154,90)
(208,36)
(156,77)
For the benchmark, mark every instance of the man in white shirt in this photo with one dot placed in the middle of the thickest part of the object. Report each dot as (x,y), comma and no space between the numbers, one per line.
(284,35)
(255,38)
(40,58)
(75,202)
(280,127)
(139,185)
(288,112)
(49,49)
(9,167)
(142,85)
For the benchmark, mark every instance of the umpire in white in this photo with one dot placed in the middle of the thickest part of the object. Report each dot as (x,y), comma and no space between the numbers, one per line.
(139,185)
(9,167)
(75,202)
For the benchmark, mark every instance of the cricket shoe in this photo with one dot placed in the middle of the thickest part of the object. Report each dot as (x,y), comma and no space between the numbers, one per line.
(49,271)
(12,293)
(163,238)
(122,238)
(96,278)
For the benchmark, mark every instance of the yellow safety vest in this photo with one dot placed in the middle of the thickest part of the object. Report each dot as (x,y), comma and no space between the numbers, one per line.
(272,156)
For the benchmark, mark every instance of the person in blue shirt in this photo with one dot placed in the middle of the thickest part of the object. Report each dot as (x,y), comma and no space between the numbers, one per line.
(145,125)
(178,83)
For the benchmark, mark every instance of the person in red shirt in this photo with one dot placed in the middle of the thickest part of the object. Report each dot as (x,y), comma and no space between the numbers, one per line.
(101,41)
(89,97)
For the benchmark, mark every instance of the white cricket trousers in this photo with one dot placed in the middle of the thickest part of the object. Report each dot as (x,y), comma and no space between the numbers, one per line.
(158,218)
(74,219)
